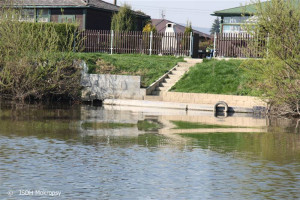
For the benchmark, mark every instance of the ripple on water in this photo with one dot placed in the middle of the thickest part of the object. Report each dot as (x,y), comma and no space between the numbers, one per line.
(148,166)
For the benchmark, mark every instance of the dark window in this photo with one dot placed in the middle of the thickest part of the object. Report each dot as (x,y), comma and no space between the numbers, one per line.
(66,19)
(43,15)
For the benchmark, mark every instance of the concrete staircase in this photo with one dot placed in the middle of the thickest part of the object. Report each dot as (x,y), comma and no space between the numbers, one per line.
(172,78)
(169,80)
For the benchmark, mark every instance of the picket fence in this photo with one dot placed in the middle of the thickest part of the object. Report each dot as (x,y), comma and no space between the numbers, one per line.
(240,45)
(137,42)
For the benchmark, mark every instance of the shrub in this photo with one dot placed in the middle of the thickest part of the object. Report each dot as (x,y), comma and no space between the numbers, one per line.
(124,20)
(277,75)
(35,60)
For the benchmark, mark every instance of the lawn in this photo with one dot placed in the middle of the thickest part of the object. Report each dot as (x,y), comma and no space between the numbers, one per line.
(150,68)
(216,77)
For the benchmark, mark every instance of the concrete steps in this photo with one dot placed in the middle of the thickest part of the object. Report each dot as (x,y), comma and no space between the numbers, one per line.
(173,77)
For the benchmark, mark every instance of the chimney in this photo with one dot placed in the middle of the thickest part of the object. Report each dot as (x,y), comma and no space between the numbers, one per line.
(115,2)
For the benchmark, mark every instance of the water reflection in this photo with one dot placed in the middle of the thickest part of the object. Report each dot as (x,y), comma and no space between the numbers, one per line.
(48,148)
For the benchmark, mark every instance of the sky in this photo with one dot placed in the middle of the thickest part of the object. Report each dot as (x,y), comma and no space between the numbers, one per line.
(196,11)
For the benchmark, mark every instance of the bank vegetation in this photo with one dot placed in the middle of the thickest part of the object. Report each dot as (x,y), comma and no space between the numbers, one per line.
(36,60)
(277,75)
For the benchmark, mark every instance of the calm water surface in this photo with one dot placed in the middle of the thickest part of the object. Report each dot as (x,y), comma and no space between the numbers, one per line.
(48,149)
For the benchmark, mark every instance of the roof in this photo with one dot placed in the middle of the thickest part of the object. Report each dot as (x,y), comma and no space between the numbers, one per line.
(160,25)
(96,4)
(248,9)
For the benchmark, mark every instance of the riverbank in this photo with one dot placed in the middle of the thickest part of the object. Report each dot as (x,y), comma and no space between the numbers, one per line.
(216,77)
(150,68)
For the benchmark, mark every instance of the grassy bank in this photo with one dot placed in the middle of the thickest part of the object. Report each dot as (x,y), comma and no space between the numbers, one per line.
(150,68)
(216,77)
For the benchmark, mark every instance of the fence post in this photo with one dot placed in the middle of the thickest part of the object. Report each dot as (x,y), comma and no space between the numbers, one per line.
(191,44)
(151,40)
(215,42)
(111,41)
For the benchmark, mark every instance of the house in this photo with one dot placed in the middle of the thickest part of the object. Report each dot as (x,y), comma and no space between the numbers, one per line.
(232,19)
(171,43)
(89,14)
(162,24)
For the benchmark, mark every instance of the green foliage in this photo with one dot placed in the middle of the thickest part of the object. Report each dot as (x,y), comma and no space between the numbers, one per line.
(124,20)
(31,63)
(277,76)
(216,77)
(149,27)
(207,45)
(215,26)
(150,68)
(65,32)
(188,28)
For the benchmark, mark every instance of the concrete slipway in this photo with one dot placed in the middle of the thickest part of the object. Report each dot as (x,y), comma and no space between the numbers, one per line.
(173,105)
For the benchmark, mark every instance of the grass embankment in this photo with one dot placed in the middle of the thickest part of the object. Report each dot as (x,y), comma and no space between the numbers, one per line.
(193,125)
(216,77)
(150,68)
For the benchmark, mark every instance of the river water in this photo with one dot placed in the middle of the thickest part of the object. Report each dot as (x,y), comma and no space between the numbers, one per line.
(48,153)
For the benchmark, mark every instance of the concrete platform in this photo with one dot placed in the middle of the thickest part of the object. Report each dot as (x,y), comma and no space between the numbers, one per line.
(171,105)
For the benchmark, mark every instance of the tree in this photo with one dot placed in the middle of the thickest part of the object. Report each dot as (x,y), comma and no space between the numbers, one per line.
(149,27)
(187,32)
(124,20)
(215,26)
(277,75)
(188,28)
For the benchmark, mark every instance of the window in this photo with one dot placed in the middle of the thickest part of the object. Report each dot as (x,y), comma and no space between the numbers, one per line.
(66,19)
(43,15)
(235,20)
(27,15)
(232,29)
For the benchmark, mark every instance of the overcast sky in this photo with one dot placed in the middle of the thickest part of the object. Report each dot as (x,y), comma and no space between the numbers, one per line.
(197,11)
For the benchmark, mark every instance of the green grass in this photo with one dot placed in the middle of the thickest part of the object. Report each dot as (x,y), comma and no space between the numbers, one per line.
(192,125)
(216,77)
(103,125)
(150,68)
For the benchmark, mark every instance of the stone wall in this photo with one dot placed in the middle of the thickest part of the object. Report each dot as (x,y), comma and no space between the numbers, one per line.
(106,86)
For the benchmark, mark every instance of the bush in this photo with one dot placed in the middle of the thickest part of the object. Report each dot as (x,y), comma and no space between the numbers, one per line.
(65,32)
(277,75)
(32,64)
(124,20)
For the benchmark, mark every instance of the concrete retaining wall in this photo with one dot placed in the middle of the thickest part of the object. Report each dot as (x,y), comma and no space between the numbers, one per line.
(212,99)
(106,86)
